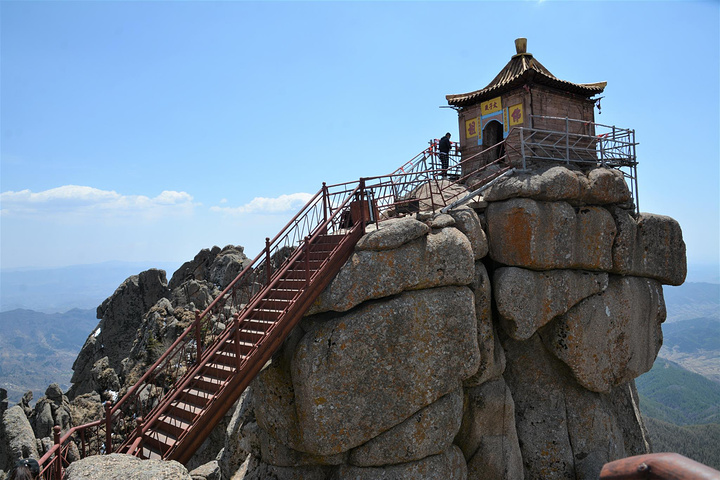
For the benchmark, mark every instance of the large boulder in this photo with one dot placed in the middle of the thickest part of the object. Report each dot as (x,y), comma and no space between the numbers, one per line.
(121,467)
(649,246)
(550,235)
(468,222)
(392,234)
(241,436)
(428,432)
(16,438)
(601,186)
(550,184)
(488,437)
(443,257)
(362,373)
(604,186)
(52,409)
(564,430)
(612,338)
(526,300)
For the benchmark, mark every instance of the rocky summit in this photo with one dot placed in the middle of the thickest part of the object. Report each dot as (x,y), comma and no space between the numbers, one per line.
(494,342)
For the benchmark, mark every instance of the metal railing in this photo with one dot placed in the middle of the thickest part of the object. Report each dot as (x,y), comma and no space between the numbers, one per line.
(417,185)
(580,142)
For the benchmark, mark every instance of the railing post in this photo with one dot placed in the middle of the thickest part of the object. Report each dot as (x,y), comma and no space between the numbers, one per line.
(567,140)
(238,350)
(58,452)
(108,428)
(307,261)
(268,268)
(198,337)
(325,202)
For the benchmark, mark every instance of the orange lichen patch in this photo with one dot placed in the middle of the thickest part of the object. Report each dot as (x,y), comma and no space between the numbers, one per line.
(518,235)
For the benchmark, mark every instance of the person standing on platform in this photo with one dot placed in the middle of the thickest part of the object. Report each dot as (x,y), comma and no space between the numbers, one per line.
(444,148)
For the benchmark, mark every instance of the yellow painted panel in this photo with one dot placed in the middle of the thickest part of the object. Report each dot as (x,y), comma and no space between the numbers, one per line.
(516,114)
(471,128)
(491,106)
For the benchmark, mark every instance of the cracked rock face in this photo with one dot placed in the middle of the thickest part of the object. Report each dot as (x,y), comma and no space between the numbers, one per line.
(611,338)
(397,355)
(495,344)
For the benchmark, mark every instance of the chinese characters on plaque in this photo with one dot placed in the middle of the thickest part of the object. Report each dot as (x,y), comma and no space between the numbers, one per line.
(492,110)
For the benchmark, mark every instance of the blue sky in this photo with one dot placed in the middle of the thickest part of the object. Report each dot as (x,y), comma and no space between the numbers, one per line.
(145,131)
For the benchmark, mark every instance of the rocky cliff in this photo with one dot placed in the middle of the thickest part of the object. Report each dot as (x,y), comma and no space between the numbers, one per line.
(136,324)
(499,341)
(494,342)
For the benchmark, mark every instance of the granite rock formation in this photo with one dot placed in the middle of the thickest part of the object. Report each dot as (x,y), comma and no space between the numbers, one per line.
(495,343)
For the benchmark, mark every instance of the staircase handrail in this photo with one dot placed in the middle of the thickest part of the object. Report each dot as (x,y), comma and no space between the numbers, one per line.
(228,331)
(335,199)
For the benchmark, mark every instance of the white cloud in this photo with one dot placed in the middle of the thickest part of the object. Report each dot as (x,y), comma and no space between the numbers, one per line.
(281,204)
(81,201)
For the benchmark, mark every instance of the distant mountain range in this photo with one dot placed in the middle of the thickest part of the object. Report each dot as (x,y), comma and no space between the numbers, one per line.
(37,349)
(691,301)
(61,289)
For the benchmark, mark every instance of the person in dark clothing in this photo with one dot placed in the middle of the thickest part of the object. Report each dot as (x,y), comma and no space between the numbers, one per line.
(25,469)
(444,148)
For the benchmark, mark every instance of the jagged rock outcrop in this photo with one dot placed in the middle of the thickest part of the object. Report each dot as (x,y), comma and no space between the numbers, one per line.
(369,385)
(137,324)
(120,317)
(121,467)
(216,266)
(52,409)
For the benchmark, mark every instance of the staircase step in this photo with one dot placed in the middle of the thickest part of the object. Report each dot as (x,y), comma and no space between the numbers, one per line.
(271,303)
(196,396)
(291,283)
(258,325)
(316,259)
(245,347)
(208,383)
(249,335)
(220,370)
(150,453)
(324,242)
(283,293)
(300,273)
(175,426)
(184,410)
(159,442)
(264,314)
(226,358)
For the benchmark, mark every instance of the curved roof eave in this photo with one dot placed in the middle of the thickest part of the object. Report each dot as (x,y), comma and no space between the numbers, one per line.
(523,69)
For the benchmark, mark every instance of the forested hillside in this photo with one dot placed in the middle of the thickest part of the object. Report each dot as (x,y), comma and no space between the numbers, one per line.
(670,393)
(699,442)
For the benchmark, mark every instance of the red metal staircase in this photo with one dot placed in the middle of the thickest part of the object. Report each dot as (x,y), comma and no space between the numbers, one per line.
(170,411)
(187,414)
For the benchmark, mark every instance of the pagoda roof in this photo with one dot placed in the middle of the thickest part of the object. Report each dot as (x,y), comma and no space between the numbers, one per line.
(523,69)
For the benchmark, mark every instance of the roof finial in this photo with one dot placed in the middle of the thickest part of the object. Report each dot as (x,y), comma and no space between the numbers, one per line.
(521,45)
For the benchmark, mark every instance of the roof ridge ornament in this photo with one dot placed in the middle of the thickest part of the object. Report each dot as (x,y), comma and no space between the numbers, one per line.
(521,47)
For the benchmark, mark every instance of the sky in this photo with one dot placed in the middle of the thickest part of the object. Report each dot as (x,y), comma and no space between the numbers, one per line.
(146,131)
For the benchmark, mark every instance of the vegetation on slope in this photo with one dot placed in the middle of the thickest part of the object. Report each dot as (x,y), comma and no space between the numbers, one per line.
(698,442)
(670,393)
